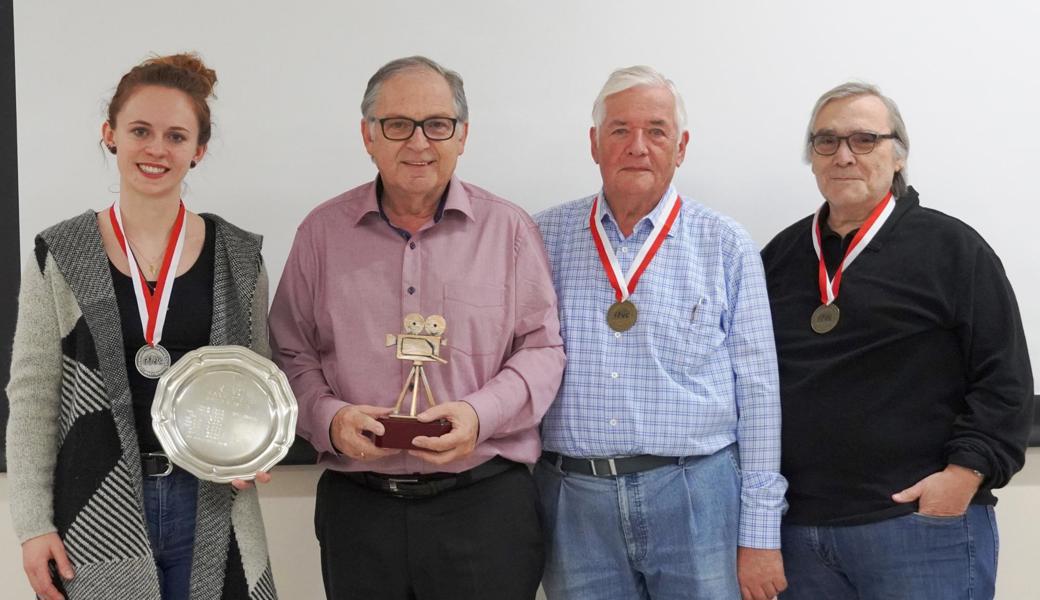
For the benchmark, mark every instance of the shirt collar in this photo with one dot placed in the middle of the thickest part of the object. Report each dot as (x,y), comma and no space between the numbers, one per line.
(454,198)
(655,216)
(825,228)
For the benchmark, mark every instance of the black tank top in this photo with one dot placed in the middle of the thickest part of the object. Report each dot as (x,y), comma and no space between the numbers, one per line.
(188,322)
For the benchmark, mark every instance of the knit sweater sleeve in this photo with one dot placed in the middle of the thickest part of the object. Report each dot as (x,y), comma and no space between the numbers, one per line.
(260,341)
(991,436)
(34,394)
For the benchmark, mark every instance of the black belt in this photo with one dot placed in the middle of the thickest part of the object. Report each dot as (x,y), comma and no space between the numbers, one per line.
(156,464)
(420,485)
(609,467)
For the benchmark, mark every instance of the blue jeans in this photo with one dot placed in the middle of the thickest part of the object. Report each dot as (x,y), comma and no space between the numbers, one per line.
(169,509)
(914,557)
(667,533)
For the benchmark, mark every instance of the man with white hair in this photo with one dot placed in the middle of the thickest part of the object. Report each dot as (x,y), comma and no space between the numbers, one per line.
(659,476)
(904,377)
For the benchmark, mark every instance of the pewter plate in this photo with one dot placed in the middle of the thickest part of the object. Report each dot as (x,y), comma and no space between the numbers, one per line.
(224,412)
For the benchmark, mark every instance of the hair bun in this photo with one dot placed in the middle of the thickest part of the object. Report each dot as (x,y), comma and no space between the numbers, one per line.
(191,63)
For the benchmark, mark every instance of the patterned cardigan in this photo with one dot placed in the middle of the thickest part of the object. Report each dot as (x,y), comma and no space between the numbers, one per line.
(73,458)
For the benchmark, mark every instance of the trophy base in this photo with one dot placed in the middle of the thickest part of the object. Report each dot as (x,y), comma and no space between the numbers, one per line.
(401,430)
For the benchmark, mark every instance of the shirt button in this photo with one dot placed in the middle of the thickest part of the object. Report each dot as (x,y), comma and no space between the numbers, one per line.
(411,245)
(411,290)
(624,250)
(614,375)
(617,334)
(613,422)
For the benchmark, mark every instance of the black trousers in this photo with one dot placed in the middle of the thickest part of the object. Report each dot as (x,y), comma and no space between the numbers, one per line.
(480,542)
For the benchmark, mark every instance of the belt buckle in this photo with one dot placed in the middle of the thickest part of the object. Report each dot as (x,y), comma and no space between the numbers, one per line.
(162,456)
(393,482)
(610,463)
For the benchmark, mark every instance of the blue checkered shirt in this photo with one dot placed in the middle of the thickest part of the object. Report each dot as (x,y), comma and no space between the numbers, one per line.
(695,374)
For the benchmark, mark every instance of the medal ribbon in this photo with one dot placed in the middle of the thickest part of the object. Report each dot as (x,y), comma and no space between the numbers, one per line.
(152,306)
(623,288)
(867,231)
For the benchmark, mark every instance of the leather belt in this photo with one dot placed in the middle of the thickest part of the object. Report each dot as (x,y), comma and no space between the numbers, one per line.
(155,464)
(610,467)
(426,485)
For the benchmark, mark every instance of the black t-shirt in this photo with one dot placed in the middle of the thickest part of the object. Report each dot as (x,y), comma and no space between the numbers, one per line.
(188,322)
(926,367)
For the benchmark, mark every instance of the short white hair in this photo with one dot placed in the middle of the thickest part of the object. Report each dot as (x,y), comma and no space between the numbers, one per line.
(637,76)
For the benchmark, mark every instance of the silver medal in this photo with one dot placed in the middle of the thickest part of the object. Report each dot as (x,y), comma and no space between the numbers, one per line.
(152,361)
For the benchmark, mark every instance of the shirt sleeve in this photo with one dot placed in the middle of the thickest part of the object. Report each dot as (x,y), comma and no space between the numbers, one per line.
(34,396)
(992,434)
(295,343)
(518,397)
(753,354)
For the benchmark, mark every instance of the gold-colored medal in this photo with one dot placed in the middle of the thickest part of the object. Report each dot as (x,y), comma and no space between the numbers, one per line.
(621,316)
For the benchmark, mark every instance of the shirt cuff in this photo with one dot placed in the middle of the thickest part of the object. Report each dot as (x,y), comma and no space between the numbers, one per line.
(489,413)
(759,529)
(325,410)
(970,460)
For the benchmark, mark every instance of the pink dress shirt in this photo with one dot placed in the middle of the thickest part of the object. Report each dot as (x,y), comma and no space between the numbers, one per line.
(349,280)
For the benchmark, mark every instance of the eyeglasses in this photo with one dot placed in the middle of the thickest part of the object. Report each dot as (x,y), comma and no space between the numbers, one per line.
(860,142)
(435,129)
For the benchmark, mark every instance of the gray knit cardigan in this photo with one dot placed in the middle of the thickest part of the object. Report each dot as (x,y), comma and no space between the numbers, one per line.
(72,453)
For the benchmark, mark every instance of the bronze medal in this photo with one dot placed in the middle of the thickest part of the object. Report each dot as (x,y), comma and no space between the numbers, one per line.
(825,318)
(621,316)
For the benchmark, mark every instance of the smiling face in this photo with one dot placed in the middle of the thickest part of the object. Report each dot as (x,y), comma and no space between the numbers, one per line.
(854,183)
(155,135)
(638,146)
(416,167)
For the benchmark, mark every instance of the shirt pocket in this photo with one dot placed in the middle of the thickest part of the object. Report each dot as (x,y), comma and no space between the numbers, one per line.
(690,334)
(475,315)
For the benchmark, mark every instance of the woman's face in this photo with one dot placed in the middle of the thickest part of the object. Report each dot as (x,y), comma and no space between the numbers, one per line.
(155,134)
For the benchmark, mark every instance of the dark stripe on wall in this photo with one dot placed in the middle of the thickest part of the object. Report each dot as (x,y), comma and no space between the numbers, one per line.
(1034,433)
(9,257)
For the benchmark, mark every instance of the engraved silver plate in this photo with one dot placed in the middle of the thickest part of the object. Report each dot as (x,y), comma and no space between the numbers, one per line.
(224,413)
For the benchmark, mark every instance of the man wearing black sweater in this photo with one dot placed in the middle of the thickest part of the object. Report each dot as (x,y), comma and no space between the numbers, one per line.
(905,381)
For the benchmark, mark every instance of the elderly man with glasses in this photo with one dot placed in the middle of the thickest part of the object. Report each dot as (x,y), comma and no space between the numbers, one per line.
(405,510)
(905,382)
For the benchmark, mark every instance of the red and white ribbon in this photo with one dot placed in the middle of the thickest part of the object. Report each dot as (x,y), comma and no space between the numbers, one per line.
(867,231)
(152,305)
(623,287)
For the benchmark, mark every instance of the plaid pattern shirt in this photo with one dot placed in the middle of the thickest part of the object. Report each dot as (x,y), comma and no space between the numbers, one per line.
(695,374)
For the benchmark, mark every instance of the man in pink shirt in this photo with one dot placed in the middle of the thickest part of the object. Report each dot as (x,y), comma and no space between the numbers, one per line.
(457,516)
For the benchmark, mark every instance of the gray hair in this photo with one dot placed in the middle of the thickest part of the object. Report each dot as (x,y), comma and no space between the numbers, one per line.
(895,121)
(630,77)
(410,63)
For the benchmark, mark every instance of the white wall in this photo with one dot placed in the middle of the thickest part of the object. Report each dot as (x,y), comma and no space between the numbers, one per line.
(291,80)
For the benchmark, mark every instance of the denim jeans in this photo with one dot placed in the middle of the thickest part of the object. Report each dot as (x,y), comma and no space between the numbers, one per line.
(667,533)
(169,508)
(914,557)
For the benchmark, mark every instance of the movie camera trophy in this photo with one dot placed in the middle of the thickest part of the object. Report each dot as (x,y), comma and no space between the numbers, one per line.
(420,348)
